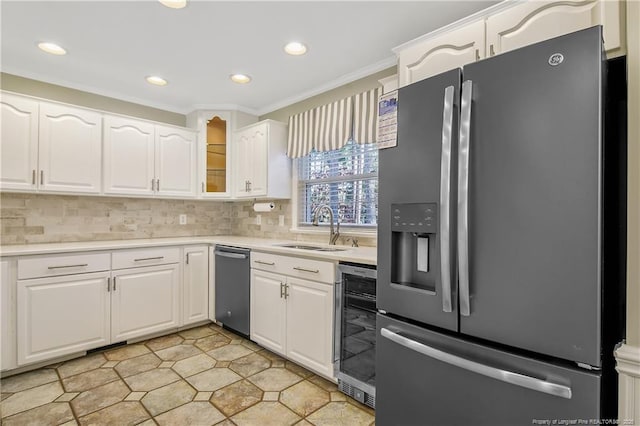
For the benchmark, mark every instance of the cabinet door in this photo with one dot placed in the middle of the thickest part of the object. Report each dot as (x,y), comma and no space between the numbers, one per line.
(8,314)
(531,22)
(442,53)
(144,301)
(61,315)
(195,288)
(175,162)
(257,176)
(128,156)
(18,143)
(310,324)
(242,163)
(70,150)
(268,311)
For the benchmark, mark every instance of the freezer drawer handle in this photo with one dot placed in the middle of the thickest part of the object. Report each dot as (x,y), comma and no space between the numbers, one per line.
(230,255)
(485,370)
(463,198)
(445,191)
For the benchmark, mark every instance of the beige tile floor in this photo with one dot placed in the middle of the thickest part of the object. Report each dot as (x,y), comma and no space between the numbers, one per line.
(201,376)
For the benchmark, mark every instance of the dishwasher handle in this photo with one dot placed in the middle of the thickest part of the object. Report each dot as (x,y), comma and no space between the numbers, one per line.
(231,255)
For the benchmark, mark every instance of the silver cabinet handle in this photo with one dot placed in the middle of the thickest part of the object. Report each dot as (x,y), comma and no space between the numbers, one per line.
(157,184)
(108,284)
(188,258)
(506,376)
(286,291)
(230,255)
(41,177)
(33,177)
(114,283)
(264,263)
(80,265)
(314,271)
(281,290)
(153,184)
(249,186)
(492,51)
(445,202)
(463,198)
(202,186)
(148,258)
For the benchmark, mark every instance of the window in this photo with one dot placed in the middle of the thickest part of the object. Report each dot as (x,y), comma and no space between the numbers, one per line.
(346,179)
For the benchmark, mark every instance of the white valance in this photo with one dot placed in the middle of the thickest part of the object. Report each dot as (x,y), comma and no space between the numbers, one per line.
(331,126)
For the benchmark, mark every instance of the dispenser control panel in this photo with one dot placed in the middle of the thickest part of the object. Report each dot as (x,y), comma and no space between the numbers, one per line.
(418,217)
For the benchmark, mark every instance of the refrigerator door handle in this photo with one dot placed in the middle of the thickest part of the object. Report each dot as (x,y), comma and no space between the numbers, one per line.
(506,376)
(445,203)
(463,198)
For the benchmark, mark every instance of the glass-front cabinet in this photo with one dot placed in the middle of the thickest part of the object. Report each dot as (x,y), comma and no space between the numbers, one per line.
(215,129)
(216,160)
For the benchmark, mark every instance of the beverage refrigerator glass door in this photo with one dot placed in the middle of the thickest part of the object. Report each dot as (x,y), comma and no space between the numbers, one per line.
(355,344)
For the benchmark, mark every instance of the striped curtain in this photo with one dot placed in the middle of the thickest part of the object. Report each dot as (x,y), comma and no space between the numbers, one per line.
(324,128)
(365,116)
(331,126)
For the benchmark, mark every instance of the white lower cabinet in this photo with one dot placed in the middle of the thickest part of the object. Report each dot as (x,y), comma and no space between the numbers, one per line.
(309,324)
(62,315)
(144,301)
(63,304)
(195,285)
(290,315)
(268,311)
(8,315)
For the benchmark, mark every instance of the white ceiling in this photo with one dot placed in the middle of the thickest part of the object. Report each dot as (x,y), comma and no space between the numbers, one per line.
(113,45)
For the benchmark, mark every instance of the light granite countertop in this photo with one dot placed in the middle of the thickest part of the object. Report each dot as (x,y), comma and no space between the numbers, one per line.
(363,255)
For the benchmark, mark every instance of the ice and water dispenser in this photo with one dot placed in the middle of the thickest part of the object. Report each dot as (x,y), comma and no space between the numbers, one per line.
(413,245)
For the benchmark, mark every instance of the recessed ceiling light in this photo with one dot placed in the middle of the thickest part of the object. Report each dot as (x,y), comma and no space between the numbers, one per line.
(295,48)
(52,48)
(240,78)
(158,81)
(174,4)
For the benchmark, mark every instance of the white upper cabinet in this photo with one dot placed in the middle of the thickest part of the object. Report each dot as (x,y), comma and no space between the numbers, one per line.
(19,143)
(142,158)
(260,166)
(421,59)
(534,21)
(175,162)
(128,156)
(70,156)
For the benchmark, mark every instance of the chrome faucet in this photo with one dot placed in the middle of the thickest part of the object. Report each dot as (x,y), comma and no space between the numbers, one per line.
(333,236)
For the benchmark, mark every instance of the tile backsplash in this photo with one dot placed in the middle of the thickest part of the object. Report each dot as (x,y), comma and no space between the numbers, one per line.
(42,218)
(39,218)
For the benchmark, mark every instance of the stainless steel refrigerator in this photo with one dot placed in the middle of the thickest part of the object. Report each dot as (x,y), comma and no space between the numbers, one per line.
(500,292)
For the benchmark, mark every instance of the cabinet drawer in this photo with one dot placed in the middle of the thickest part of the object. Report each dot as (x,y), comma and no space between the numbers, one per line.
(145,257)
(50,266)
(309,269)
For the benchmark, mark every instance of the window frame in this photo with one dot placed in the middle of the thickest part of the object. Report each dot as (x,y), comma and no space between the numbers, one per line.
(353,230)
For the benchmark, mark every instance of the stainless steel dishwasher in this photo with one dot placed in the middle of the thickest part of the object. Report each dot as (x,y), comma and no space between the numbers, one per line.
(232,288)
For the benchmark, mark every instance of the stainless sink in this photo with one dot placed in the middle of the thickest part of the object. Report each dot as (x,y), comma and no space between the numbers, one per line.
(307,247)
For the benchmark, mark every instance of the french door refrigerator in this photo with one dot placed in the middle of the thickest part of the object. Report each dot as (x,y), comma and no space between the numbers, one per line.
(494,300)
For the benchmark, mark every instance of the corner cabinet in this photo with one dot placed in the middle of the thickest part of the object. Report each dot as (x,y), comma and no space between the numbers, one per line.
(261,168)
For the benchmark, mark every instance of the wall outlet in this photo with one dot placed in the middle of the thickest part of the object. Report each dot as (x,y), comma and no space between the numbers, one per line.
(258,220)
(183,219)
(281,220)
